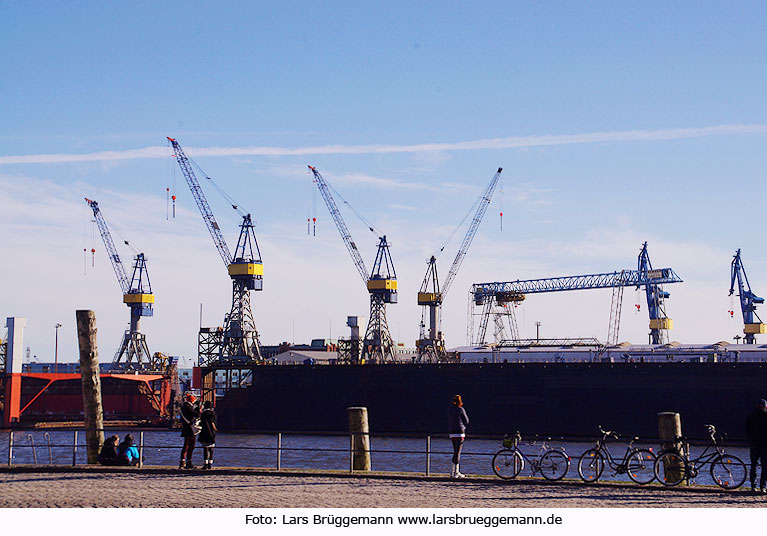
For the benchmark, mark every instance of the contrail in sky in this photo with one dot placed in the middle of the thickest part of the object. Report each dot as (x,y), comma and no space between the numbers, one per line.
(512,142)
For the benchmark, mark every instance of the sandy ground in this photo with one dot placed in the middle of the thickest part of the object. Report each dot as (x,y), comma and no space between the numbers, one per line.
(240,489)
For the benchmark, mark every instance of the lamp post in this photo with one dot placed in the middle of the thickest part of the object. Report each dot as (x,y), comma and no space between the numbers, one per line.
(56,350)
(537,331)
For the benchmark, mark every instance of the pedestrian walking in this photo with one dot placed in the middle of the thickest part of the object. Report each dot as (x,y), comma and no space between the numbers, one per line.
(190,427)
(457,421)
(756,431)
(207,437)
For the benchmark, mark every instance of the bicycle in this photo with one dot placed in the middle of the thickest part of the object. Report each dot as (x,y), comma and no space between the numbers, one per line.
(727,470)
(551,463)
(638,463)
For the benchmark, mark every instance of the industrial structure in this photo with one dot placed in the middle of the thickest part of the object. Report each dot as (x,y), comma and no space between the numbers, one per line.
(491,296)
(431,344)
(133,352)
(748,301)
(237,341)
(377,344)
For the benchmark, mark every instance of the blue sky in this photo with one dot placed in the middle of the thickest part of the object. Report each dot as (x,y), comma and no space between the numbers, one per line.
(615,123)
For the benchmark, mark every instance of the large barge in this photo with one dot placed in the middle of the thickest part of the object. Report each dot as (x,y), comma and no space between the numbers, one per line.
(562,391)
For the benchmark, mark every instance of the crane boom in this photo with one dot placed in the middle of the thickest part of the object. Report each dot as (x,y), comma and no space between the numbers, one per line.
(109,244)
(322,186)
(202,203)
(484,201)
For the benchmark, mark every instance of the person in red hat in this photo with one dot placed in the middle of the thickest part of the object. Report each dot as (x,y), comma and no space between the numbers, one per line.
(190,427)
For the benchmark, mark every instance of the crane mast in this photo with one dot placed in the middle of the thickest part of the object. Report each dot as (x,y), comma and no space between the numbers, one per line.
(378,345)
(237,341)
(133,352)
(656,296)
(431,346)
(748,301)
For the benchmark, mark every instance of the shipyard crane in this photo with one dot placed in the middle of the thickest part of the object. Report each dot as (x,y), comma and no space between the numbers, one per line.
(431,346)
(645,276)
(133,352)
(237,341)
(381,283)
(748,301)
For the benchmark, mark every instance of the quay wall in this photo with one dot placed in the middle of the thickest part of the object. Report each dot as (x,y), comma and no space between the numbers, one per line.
(557,399)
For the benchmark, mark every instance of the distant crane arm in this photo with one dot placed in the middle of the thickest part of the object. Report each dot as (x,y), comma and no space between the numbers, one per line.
(322,186)
(487,195)
(202,203)
(109,244)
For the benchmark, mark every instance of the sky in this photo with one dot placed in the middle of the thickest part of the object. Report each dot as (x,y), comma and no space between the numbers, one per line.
(615,123)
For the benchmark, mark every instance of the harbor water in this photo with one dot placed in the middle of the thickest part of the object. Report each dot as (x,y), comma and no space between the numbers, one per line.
(312,452)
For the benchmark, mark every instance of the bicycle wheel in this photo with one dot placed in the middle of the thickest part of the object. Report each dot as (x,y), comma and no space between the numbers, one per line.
(554,465)
(591,465)
(670,468)
(640,466)
(728,471)
(508,463)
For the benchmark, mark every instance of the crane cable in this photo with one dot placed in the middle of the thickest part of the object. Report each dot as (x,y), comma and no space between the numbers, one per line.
(220,190)
(372,228)
(449,238)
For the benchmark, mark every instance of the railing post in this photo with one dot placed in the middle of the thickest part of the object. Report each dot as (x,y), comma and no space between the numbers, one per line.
(279,450)
(74,451)
(10,448)
(428,455)
(141,449)
(351,453)
(47,437)
(31,440)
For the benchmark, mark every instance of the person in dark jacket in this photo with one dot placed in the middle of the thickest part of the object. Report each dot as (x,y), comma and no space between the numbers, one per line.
(108,453)
(457,421)
(190,427)
(207,437)
(756,431)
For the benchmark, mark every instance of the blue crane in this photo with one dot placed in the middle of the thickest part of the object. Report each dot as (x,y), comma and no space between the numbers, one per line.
(381,283)
(748,300)
(645,275)
(133,353)
(238,340)
(432,346)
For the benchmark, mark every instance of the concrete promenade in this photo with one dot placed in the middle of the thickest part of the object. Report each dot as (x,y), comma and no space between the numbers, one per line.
(163,487)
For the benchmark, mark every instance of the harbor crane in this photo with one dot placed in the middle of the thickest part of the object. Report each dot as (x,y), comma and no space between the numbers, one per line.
(653,280)
(431,345)
(748,301)
(133,352)
(381,283)
(237,341)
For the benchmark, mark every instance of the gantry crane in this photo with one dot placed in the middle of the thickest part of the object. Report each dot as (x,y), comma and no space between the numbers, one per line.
(237,341)
(378,346)
(133,352)
(644,276)
(748,301)
(431,345)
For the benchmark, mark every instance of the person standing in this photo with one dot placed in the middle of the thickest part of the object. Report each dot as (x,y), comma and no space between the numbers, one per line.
(457,421)
(207,437)
(190,427)
(756,431)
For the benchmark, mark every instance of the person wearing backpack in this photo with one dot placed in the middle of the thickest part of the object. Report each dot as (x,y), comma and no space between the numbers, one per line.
(207,437)
(190,427)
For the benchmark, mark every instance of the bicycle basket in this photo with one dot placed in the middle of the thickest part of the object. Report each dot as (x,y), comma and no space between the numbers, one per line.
(508,442)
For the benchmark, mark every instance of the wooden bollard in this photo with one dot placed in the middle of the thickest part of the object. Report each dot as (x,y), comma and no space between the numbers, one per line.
(359,433)
(670,433)
(93,410)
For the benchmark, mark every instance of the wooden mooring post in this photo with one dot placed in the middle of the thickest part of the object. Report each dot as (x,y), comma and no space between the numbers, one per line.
(359,438)
(670,434)
(93,410)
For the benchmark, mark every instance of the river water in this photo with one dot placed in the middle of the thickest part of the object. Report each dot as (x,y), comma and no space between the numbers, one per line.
(300,451)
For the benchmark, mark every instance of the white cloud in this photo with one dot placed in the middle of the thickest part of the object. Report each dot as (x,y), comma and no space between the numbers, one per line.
(511,142)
